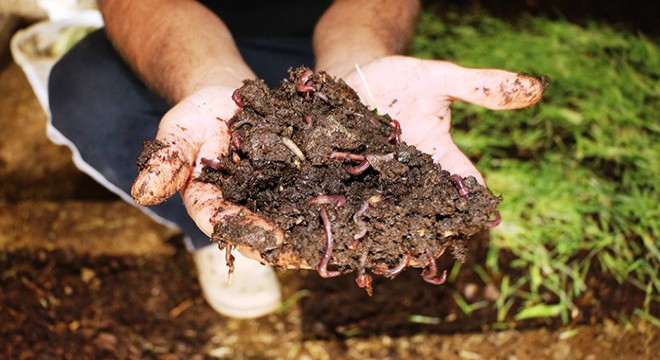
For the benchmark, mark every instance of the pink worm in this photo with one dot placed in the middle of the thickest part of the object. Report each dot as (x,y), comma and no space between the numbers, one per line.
(364,282)
(237,99)
(391,273)
(395,132)
(345,155)
(213,164)
(337,200)
(460,185)
(430,275)
(358,169)
(323,265)
(302,85)
(495,221)
(361,225)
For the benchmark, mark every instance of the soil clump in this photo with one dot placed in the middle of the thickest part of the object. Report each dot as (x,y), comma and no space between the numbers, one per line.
(335,176)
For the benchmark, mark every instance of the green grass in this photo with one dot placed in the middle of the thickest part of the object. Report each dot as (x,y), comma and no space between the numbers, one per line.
(579,172)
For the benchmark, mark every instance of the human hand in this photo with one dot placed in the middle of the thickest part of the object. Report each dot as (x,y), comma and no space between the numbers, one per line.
(193,130)
(418,94)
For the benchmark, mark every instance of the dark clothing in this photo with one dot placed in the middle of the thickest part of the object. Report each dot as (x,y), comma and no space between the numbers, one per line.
(250,18)
(105,112)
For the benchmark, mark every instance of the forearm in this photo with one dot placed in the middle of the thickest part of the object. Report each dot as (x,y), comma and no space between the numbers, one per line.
(360,31)
(176,47)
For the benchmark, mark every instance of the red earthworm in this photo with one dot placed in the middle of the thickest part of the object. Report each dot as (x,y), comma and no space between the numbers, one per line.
(395,132)
(358,169)
(391,273)
(361,226)
(354,244)
(308,119)
(322,96)
(364,282)
(213,164)
(430,276)
(460,185)
(237,99)
(236,140)
(304,77)
(353,170)
(345,155)
(322,268)
(240,123)
(337,200)
(495,221)
(302,82)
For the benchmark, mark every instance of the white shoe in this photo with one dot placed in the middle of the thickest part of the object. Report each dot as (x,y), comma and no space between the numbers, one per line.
(252,291)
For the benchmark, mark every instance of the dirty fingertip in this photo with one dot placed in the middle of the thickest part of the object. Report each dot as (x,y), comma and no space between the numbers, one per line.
(162,174)
(521,91)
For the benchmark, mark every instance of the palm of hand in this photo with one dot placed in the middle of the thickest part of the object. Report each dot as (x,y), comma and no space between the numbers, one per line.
(418,94)
(403,88)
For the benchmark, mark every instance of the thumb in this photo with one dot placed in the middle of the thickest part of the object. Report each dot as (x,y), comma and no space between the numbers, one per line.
(491,88)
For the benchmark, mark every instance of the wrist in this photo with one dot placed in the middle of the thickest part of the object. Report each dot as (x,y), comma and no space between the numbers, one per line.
(341,65)
(217,75)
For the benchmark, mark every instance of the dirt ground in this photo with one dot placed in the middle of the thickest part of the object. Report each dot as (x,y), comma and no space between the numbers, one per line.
(84,275)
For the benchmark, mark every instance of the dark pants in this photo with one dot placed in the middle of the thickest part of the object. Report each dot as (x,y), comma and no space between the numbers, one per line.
(100,106)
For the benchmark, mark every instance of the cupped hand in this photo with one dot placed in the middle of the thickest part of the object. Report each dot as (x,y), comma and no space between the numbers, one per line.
(195,129)
(418,94)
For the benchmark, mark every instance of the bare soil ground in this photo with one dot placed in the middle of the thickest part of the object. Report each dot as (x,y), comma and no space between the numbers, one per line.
(84,275)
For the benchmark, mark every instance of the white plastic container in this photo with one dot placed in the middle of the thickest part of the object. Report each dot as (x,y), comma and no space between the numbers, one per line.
(29,48)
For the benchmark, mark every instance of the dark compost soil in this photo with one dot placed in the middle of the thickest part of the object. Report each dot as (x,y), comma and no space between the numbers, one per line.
(336,178)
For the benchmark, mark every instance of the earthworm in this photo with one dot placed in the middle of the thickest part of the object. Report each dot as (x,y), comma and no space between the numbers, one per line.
(237,99)
(240,123)
(337,200)
(236,140)
(395,132)
(346,155)
(304,77)
(391,273)
(302,85)
(358,169)
(323,265)
(460,185)
(495,221)
(364,282)
(322,96)
(430,275)
(213,164)
(353,170)
(362,226)
(308,119)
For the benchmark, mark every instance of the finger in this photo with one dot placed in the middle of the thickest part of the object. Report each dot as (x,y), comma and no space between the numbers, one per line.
(208,209)
(166,169)
(491,88)
(246,230)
